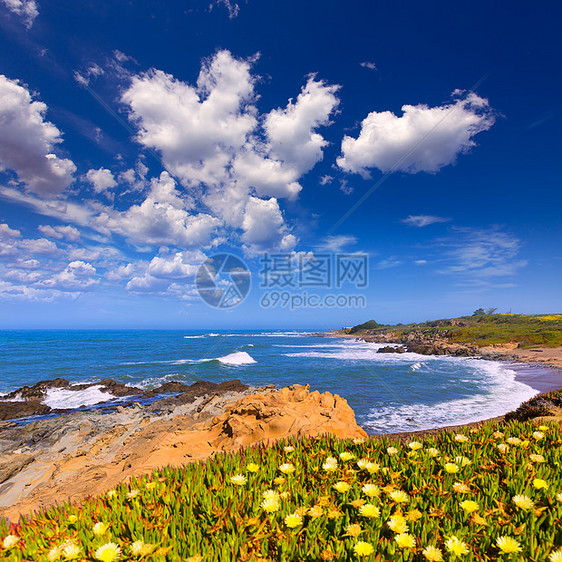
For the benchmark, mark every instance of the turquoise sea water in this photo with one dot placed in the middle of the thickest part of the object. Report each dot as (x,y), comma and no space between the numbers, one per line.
(388,392)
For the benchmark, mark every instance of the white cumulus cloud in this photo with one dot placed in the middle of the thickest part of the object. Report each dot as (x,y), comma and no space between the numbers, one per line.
(60,232)
(27,9)
(213,139)
(422,139)
(101,180)
(27,142)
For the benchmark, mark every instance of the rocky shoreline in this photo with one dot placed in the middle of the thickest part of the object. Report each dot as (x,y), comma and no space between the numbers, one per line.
(84,453)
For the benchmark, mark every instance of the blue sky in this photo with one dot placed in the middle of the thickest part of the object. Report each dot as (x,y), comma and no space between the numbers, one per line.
(139,139)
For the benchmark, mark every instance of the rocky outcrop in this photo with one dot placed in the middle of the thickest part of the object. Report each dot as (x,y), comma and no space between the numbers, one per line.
(391,349)
(28,400)
(417,342)
(87,453)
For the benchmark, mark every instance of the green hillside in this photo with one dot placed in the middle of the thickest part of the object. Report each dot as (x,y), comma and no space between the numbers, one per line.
(480,329)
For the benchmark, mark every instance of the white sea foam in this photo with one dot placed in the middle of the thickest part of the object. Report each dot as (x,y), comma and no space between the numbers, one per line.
(61,398)
(237,358)
(416,366)
(499,394)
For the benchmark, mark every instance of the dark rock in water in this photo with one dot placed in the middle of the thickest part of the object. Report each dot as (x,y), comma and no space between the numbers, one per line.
(391,349)
(37,391)
(13,410)
(171,388)
(117,389)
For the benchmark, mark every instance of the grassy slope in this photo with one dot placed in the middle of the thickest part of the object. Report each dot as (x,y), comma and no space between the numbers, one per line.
(525,329)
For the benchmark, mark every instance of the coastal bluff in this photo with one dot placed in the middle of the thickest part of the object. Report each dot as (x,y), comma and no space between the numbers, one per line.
(81,454)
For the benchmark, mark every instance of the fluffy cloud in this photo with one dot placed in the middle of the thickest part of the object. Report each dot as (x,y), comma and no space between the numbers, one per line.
(163,218)
(77,276)
(27,142)
(101,180)
(181,265)
(60,232)
(7,232)
(263,226)
(423,139)
(212,138)
(420,221)
(27,9)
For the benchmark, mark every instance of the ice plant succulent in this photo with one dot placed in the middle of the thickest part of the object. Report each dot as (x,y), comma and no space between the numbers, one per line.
(109,552)
(432,553)
(455,546)
(508,545)
(362,548)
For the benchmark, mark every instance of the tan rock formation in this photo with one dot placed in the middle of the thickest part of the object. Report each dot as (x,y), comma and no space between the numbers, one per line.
(86,461)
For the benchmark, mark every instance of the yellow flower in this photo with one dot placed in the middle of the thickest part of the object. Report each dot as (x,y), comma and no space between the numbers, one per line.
(72,518)
(100,529)
(508,545)
(433,554)
(538,435)
(357,503)
(523,502)
(477,520)
(293,520)
(132,494)
(498,435)
(559,497)
(372,467)
(362,463)
(151,485)
(460,438)
(455,546)
(369,510)
(346,456)
(252,467)
(413,515)
(71,551)
(391,450)
(398,524)
(112,494)
(503,448)
(371,490)
(289,449)
(433,452)
(460,488)
(404,540)
(315,511)
(451,468)
(399,496)
(514,441)
(463,461)
(363,548)
(415,445)
(238,480)
(269,505)
(543,427)
(54,553)
(109,552)
(334,513)
(10,541)
(539,483)
(469,506)
(536,458)
(140,548)
(279,480)
(353,530)
(556,556)
(330,464)
(358,440)
(196,558)
(286,494)
(342,487)
(287,468)
(270,494)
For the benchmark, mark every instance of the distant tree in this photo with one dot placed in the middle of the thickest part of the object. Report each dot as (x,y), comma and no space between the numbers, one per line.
(491,310)
(369,325)
(479,312)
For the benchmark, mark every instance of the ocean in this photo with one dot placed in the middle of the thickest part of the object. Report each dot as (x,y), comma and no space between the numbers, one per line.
(388,392)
